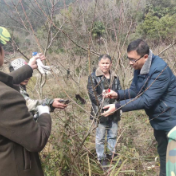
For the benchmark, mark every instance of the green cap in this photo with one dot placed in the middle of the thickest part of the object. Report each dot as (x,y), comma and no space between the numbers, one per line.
(4,36)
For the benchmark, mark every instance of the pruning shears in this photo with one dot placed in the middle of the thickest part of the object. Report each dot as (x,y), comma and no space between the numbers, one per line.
(109,90)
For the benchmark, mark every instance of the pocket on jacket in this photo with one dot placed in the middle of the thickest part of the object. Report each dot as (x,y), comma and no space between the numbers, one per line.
(162,107)
(27,159)
(22,158)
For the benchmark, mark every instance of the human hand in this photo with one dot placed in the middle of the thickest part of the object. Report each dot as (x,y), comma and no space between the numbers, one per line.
(33,61)
(111,109)
(110,94)
(57,104)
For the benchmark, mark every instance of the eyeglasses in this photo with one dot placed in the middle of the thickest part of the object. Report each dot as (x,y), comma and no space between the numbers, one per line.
(134,60)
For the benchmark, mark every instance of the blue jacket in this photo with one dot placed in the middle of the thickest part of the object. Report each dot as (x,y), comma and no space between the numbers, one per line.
(157,90)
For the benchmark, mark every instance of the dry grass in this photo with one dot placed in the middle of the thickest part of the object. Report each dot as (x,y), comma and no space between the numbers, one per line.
(63,154)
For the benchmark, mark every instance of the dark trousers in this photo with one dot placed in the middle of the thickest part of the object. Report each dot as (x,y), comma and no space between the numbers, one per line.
(161,138)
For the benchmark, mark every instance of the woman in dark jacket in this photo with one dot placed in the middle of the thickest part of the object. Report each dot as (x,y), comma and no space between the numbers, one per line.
(99,81)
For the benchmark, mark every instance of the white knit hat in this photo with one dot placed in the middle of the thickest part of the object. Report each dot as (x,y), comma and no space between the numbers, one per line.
(16,64)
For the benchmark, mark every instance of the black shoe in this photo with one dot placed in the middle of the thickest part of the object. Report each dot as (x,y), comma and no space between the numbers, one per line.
(114,158)
(104,164)
(109,157)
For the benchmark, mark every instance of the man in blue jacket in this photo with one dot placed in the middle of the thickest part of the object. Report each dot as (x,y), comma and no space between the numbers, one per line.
(153,89)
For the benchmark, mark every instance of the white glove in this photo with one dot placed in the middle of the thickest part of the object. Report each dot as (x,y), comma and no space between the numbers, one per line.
(42,68)
(43,109)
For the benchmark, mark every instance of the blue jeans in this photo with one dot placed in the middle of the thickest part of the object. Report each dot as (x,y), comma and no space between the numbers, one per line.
(111,128)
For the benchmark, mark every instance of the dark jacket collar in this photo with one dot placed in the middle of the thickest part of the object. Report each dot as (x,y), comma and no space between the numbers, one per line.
(6,79)
(98,72)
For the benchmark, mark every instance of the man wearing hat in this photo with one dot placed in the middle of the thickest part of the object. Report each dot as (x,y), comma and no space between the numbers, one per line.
(31,103)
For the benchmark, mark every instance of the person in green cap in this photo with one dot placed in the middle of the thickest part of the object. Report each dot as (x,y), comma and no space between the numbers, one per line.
(21,138)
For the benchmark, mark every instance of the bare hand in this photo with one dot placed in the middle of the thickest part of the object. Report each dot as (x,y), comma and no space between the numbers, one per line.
(112,94)
(110,110)
(32,62)
(57,104)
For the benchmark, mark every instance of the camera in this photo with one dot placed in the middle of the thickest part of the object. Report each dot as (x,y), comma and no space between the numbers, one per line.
(64,101)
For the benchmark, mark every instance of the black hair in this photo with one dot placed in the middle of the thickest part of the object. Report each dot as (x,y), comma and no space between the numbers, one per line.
(140,46)
(104,56)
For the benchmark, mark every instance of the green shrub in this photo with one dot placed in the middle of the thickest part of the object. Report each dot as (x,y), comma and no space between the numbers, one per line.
(158,29)
(98,29)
